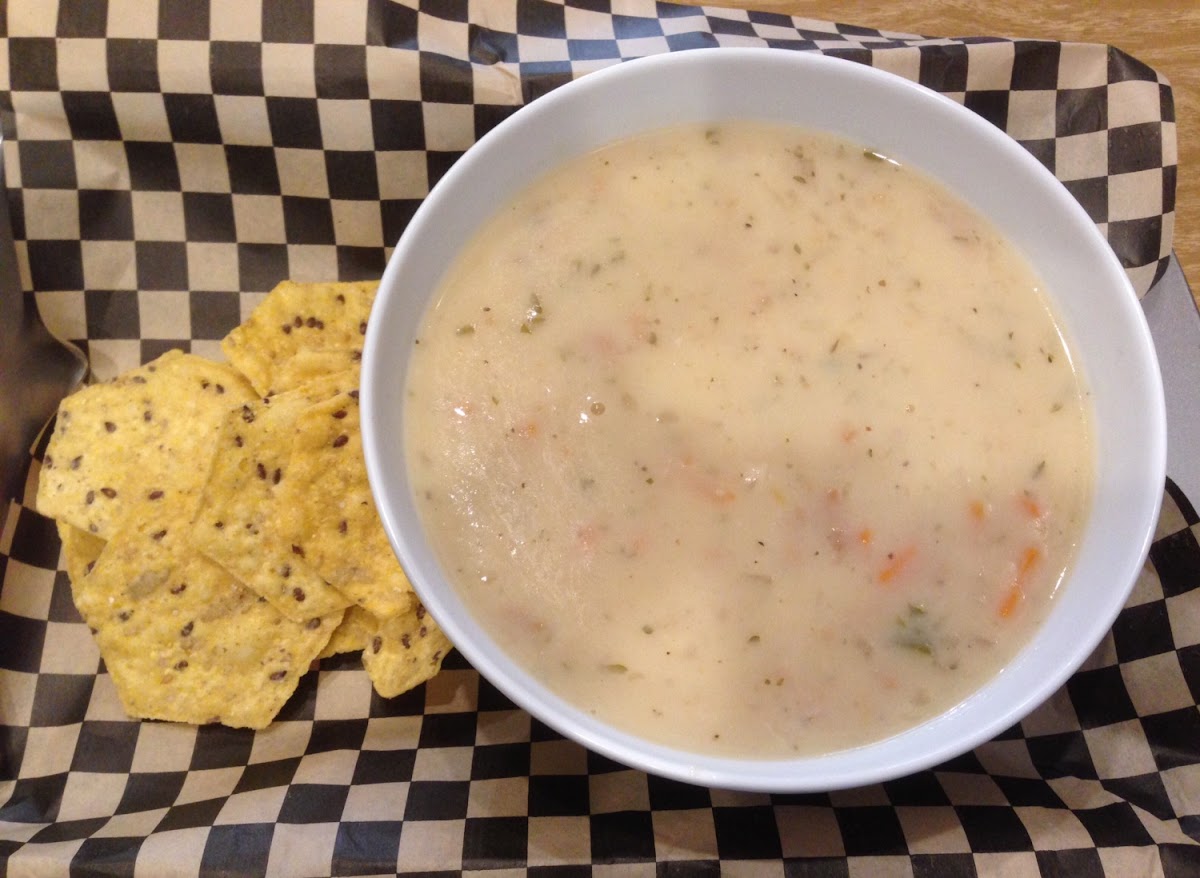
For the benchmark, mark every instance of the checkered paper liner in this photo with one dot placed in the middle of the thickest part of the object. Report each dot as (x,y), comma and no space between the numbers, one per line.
(170,162)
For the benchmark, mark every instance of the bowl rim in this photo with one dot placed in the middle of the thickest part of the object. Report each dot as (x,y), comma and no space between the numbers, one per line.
(826,772)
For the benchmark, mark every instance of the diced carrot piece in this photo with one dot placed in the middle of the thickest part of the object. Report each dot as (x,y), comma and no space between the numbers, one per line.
(1031,506)
(864,536)
(1016,592)
(722,496)
(896,563)
(709,488)
(1012,600)
(978,510)
(588,536)
(1029,560)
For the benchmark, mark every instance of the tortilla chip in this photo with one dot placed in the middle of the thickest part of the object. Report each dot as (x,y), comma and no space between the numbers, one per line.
(236,523)
(80,550)
(184,641)
(305,367)
(406,651)
(217,525)
(328,511)
(357,628)
(126,449)
(325,319)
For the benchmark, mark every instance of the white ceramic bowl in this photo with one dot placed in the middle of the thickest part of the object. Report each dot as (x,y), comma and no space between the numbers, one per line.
(919,128)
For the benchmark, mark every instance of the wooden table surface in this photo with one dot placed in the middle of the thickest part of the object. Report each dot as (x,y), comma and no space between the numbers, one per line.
(1163,33)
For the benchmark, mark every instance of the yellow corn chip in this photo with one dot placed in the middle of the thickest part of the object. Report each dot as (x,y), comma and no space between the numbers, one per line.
(184,641)
(80,550)
(327,321)
(306,367)
(129,448)
(405,651)
(217,525)
(236,525)
(328,512)
(357,628)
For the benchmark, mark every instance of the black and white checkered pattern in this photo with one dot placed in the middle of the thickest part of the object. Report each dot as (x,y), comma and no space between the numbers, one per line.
(1101,780)
(171,161)
(168,169)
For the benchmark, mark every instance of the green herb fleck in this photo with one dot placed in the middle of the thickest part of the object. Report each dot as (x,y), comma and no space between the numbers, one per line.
(914,631)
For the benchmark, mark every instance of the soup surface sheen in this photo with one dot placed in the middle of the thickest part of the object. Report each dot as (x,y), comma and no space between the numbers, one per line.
(748,440)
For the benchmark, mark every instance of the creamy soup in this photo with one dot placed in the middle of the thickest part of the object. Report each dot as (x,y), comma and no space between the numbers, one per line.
(749,440)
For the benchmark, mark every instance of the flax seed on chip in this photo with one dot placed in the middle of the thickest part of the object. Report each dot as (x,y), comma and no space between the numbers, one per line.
(134,446)
(238,522)
(330,514)
(405,651)
(299,331)
(80,550)
(357,628)
(399,653)
(185,641)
